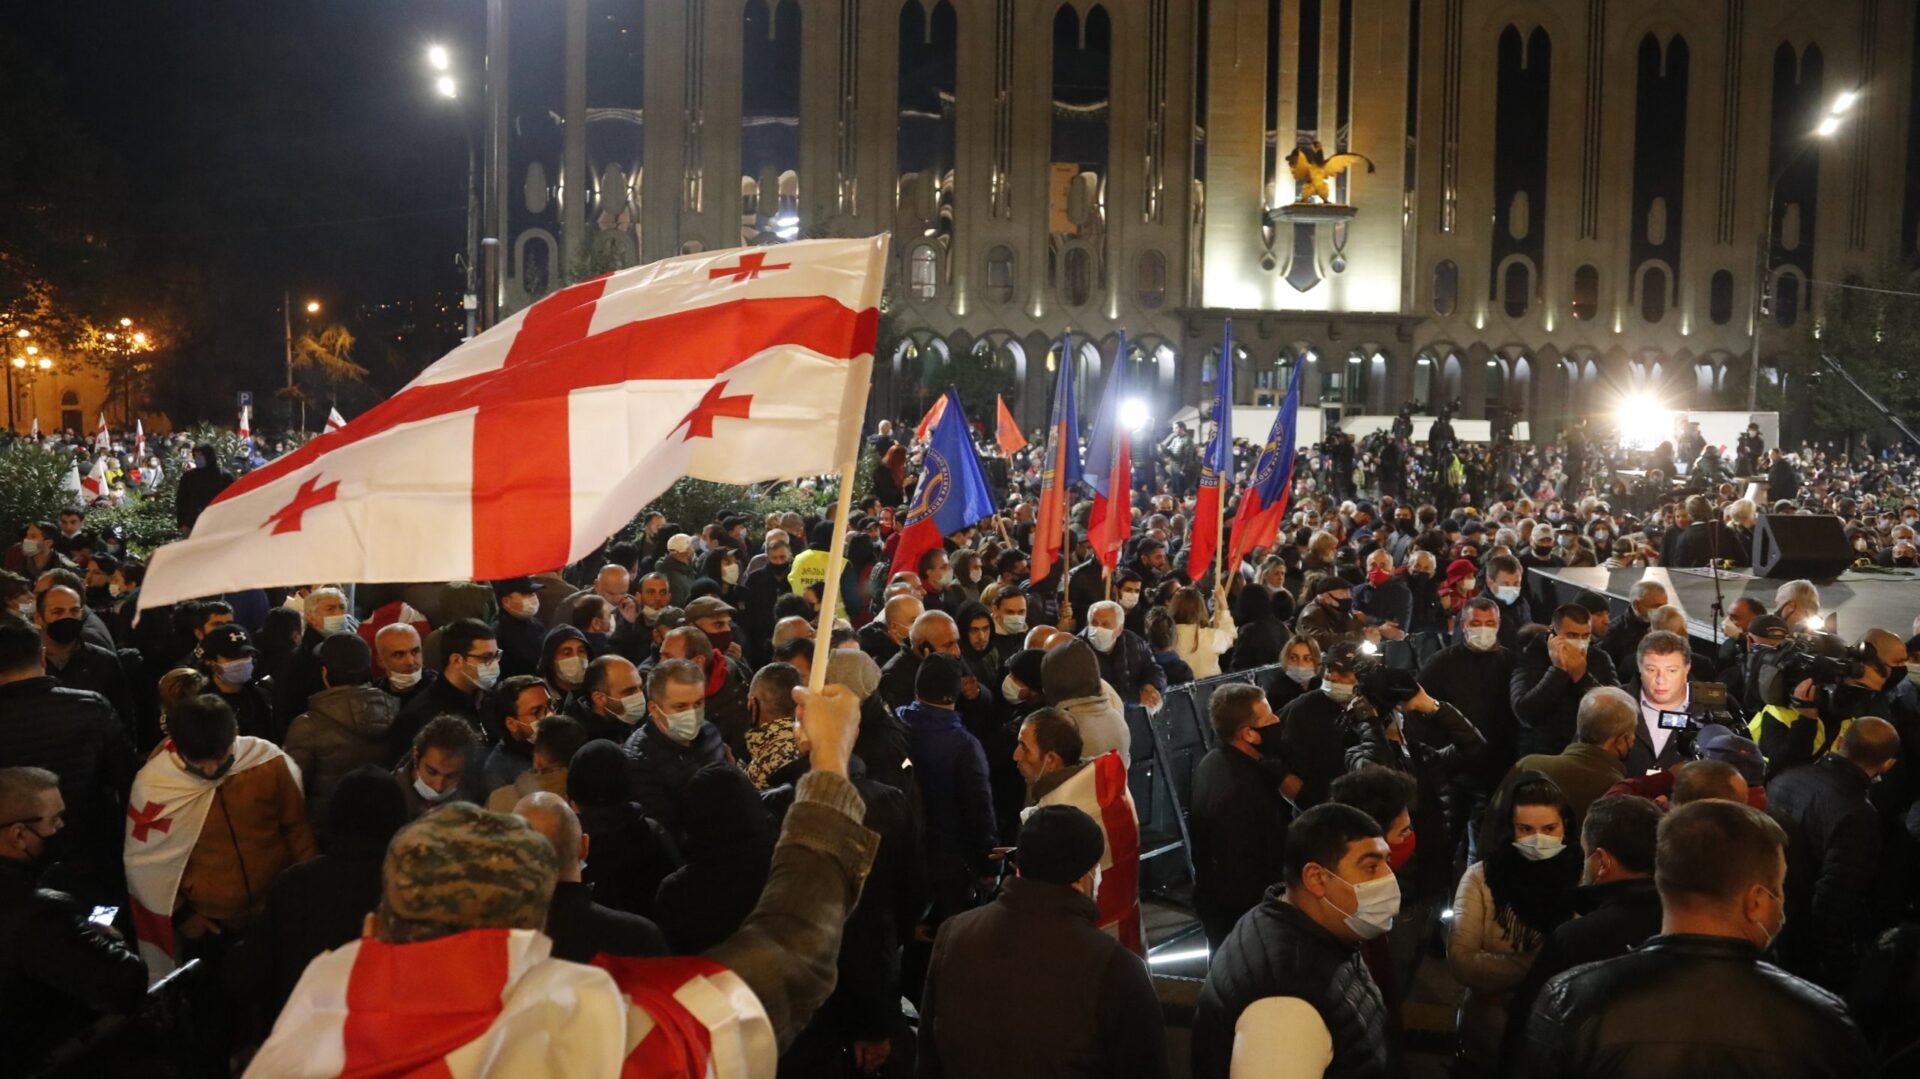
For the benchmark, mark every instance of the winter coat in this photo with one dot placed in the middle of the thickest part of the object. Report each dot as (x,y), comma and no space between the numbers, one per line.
(632,854)
(1128,666)
(1239,828)
(1484,956)
(951,770)
(57,973)
(344,727)
(658,768)
(318,905)
(256,826)
(74,735)
(1833,853)
(1546,703)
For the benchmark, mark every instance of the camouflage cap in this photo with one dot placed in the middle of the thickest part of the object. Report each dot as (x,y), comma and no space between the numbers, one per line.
(460,867)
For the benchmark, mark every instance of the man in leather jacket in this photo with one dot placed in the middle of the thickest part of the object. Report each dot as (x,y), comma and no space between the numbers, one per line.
(1721,872)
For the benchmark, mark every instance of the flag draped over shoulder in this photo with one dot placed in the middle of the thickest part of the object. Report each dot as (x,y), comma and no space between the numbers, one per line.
(1264,506)
(1059,471)
(952,493)
(1216,471)
(1109,469)
(527,445)
(1099,789)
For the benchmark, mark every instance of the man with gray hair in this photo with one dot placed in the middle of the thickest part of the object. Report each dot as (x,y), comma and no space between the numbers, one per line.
(1624,636)
(1604,730)
(325,611)
(1126,659)
(1796,602)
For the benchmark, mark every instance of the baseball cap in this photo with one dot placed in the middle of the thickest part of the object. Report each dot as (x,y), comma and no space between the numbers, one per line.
(227,641)
(1769,627)
(1717,743)
(348,659)
(507,586)
(670,618)
(1059,844)
(679,543)
(707,607)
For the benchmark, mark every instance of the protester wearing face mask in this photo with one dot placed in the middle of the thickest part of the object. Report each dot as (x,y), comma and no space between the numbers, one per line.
(1313,728)
(676,741)
(613,700)
(518,628)
(564,655)
(1126,659)
(1009,609)
(1290,975)
(1552,674)
(472,668)
(442,765)
(76,663)
(1327,615)
(1238,820)
(227,655)
(347,724)
(1507,904)
(1721,871)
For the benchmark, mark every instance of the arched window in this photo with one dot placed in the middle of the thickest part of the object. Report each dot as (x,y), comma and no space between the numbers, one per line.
(923,272)
(1423,380)
(1446,287)
(69,399)
(1150,279)
(1720,297)
(1653,293)
(1586,293)
(1516,288)
(1076,284)
(1786,298)
(1000,274)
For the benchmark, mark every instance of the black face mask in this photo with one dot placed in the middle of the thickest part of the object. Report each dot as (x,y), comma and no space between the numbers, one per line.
(1270,746)
(64,631)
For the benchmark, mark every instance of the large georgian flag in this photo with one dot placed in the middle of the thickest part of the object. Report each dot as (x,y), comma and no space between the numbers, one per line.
(1099,789)
(493,1003)
(525,447)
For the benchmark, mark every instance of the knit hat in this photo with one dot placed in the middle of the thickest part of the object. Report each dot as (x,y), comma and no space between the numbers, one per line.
(597,775)
(855,670)
(938,679)
(1059,844)
(460,867)
(1070,671)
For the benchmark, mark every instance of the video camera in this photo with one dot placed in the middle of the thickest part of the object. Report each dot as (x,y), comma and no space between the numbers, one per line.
(1823,660)
(1706,706)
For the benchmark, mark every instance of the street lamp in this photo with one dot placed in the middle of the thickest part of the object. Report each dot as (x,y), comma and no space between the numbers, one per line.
(447,87)
(17,361)
(1829,125)
(286,311)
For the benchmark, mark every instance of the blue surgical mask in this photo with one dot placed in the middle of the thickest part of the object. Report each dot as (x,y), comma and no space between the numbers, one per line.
(236,672)
(1507,593)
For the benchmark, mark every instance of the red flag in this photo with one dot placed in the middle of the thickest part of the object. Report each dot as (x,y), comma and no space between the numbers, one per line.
(1216,472)
(1099,789)
(1264,505)
(1059,472)
(932,417)
(1007,432)
(564,420)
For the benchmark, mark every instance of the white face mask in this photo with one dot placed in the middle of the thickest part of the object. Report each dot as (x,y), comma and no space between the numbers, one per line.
(631,709)
(1338,692)
(651,614)
(115,590)
(1507,593)
(1102,638)
(336,623)
(1482,638)
(683,726)
(31,547)
(486,674)
(939,579)
(730,573)
(1538,847)
(403,680)
(420,788)
(528,607)
(1129,600)
(24,609)
(1375,903)
(1010,689)
(1730,629)
(571,669)
(1014,623)
(1301,675)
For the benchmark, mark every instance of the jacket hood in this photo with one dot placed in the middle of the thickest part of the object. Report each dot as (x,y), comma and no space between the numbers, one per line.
(366,711)
(1070,671)
(551,644)
(967,613)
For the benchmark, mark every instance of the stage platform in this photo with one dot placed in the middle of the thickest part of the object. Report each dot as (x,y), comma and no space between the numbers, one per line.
(1854,602)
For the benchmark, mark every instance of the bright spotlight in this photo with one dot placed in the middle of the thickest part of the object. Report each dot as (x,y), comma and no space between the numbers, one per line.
(1643,422)
(1368,648)
(1844,101)
(1134,414)
(446,87)
(313,307)
(1816,623)
(439,58)
(1828,125)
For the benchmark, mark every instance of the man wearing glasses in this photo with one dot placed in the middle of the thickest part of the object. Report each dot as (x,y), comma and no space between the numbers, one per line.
(472,669)
(58,972)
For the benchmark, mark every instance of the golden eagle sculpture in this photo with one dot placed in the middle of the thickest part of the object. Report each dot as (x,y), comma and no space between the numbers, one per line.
(1312,169)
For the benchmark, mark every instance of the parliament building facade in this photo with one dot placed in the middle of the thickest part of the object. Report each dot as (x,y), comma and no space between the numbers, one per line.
(1559,203)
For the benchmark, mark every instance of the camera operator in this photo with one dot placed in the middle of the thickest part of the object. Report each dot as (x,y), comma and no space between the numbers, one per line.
(1809,696)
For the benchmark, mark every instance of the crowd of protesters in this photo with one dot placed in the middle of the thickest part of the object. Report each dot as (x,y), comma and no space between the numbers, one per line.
(1450,757)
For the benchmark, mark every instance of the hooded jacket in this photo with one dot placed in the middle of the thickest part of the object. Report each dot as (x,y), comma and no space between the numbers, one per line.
(550,644)
(343,728)
(1070,681)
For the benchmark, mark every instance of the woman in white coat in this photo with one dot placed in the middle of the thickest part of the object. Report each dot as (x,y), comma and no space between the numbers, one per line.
(1199,642)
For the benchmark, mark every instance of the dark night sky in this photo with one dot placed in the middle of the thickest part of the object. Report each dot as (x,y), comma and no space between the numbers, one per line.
(272,144)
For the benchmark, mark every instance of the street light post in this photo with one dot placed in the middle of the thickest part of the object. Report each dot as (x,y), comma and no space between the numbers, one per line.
(1763,250)
(20,360)
(286,312)
(444,84)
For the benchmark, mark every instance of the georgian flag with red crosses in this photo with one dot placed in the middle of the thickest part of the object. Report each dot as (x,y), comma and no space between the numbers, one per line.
(529,444)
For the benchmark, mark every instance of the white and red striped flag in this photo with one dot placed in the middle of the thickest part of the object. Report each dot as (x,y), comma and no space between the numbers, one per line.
(526,446)
(101,440)
(95,484)
(335,421)
(1099,789)
(139,443)
(246,424)
(493,1003)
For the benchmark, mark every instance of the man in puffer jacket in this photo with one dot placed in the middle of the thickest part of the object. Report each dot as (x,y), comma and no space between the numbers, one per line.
(951,769)
(346,725)
(1070,681)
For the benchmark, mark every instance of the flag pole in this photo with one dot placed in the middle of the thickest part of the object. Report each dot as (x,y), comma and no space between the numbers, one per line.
(836,565)
(1069,443)
(1223,401)
(1113,456)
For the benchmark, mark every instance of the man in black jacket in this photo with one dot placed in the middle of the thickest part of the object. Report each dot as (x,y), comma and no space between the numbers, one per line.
(73,734)
(1313,729)
(1301,946)
(1551,677)
(1239,817)
(77,663)
(1126,659)
(1706,537)
(1618,905)
(674,743)
(57,972)
(1473,676)
(1782,481)
(1623,637)
(1721,871)
(581,928)
(1029,979)
(1833,850)
(472,668)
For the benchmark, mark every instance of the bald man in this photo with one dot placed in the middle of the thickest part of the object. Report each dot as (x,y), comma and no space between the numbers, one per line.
(581,928)
(1833,848)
